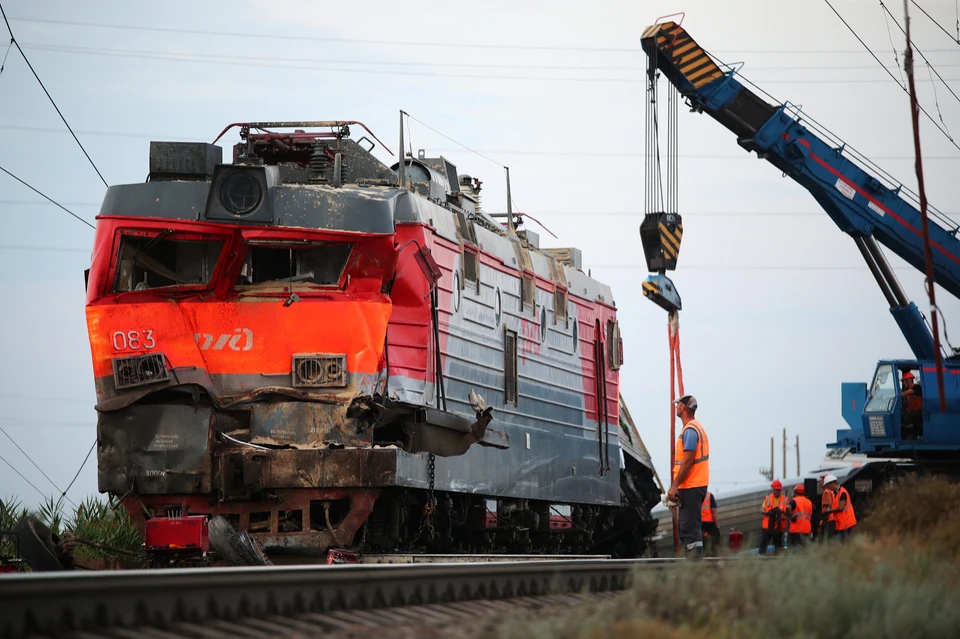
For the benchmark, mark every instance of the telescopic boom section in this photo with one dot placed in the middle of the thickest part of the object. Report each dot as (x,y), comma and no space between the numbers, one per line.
(859,197)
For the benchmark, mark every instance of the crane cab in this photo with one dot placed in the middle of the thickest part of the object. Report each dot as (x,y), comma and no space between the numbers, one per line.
(899,413)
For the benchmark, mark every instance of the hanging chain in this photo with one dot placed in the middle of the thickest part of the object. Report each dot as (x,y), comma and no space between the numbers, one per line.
(430,506)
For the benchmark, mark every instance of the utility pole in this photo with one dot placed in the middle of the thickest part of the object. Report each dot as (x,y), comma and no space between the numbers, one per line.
(773,471)
(784,469)
(798,455)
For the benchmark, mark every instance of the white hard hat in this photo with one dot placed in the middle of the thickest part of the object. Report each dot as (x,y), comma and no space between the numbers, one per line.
(828,479)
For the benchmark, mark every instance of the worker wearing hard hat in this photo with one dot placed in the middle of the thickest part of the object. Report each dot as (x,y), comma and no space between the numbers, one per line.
(912,395)
(800,515)
(840,510)
(774,517)
(709,525)
(691,475)
(826,526)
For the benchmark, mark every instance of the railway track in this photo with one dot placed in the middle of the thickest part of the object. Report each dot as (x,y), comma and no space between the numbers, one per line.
(294,600)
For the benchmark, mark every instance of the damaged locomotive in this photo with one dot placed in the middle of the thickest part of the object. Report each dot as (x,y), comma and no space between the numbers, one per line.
(333,353)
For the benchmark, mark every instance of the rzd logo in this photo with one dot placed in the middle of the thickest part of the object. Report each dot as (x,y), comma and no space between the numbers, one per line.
(230,340)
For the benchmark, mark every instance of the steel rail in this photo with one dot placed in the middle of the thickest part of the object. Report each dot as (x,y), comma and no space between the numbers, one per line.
(59,605)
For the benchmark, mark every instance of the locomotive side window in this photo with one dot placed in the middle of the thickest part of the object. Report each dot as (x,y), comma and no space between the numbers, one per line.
(321,264)
(157,261)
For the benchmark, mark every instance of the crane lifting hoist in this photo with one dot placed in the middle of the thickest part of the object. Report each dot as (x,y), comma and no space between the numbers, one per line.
(871,207)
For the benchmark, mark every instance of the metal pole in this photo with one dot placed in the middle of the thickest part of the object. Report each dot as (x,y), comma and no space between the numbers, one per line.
(510,226)
(773,472)
(876,252)
(403,158)
(784,469)
(872,265)
(798,455)
(924,226)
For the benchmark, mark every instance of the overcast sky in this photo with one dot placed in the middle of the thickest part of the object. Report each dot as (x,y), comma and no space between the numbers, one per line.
(778,307)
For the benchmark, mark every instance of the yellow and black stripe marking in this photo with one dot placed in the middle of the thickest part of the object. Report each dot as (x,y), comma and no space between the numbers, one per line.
(670,240)
(650,289)
(684,53)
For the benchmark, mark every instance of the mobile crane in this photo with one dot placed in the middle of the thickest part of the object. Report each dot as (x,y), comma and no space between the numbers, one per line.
(868,205)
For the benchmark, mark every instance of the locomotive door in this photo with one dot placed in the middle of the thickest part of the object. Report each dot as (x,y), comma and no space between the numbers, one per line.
(600,377)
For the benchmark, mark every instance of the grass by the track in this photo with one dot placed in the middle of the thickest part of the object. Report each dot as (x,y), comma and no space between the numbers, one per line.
(898,578)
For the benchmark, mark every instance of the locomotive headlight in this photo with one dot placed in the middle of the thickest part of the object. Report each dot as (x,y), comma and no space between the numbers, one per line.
(239,192)
(139,370)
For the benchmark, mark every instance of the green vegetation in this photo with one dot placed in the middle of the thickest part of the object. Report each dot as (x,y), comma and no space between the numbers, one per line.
(102,521)
(898,578)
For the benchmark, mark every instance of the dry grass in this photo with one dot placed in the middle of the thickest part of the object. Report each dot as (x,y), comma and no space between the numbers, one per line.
(891,581)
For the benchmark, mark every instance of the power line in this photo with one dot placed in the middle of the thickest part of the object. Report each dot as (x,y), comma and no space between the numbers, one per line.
(457,45)
(220,60)
(59,501)
(44,196)
(892,77)
(949,35)
(30,483)
(929,66)
(30,459)
(558,152)
(444,135)
(52,101)
(236,58)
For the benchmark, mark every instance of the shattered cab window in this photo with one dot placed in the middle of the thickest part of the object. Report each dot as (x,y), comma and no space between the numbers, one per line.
(165,260)
(318,264)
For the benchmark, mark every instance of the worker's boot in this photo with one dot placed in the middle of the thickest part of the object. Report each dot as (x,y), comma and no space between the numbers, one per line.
(695,551)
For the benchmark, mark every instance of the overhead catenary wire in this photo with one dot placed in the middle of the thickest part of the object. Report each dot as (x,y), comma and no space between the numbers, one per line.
(930,66)
(233,61)
(896,56)
(72,481)
(287,37)
(940,26)
(531,152)
(46,197)
(29,483)
(245,60)
(30,459)
(892,77)
(50,97)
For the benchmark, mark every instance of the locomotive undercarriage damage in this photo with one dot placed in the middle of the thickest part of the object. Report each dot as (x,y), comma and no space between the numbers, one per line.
(300,476)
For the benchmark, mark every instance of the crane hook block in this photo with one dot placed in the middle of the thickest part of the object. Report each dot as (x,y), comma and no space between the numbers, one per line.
(660,289)
(660,235)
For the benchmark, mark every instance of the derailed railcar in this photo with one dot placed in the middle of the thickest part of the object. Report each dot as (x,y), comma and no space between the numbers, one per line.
(329,359)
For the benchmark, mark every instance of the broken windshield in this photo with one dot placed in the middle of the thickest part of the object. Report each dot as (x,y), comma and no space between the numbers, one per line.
(320,264)
(165,260)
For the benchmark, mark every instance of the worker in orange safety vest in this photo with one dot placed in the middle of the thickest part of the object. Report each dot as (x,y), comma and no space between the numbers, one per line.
(709,525)
(691,475)
(800,516)
(774,517)
(841,510)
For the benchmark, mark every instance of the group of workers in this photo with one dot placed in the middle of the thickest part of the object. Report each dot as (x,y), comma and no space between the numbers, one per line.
(782,517)
(795,516)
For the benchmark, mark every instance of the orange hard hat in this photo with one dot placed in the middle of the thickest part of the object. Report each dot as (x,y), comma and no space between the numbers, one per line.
(799,489)
(776,485)
(908,375)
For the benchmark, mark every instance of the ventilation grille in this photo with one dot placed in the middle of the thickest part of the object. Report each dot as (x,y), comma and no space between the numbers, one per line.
(140,370)
(528,292)
(471,269)
(560,306)
(510,367)
(320,371)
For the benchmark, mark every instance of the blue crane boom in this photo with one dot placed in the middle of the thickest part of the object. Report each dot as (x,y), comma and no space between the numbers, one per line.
(865,203)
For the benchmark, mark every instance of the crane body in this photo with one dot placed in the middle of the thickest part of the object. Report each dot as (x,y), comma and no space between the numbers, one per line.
(866,204)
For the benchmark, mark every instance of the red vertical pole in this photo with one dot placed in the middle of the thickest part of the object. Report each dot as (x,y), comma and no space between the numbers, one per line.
(671,328)
(924,227)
